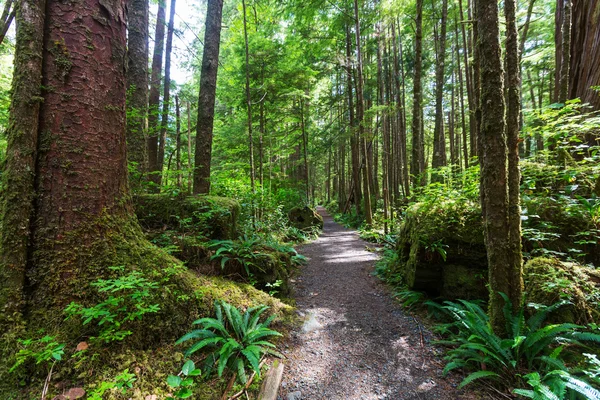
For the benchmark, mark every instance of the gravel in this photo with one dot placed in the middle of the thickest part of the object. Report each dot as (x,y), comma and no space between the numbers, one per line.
(356,342)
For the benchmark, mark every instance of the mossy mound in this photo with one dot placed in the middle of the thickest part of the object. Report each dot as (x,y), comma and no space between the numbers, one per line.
(548,280)
(305,218)
(214,217)
(180,294)
(441,249)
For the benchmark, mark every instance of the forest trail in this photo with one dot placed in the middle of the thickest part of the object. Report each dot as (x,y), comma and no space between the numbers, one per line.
(356,342)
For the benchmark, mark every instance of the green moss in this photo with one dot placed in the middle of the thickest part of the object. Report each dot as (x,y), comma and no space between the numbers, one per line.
(548,280)
(439,235)
(64,270)
(214,217)
(305,218)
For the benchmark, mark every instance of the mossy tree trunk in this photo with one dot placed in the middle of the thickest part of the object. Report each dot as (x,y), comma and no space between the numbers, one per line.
(513,114)
(439,142)
(67,164)
(18,175)
(206,98)
(137,85)
(154,99)
(563,84)
(494,169)
(164,124)
(418,143)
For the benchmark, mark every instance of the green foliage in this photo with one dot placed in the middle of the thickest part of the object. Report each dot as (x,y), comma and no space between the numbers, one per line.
(530,347)
(43,350)
(126,300)
(246,252)
(236,341)
(554,385)
(122,382)
(184,381)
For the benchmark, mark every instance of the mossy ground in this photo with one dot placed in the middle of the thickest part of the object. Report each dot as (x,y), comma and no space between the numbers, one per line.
(86,255)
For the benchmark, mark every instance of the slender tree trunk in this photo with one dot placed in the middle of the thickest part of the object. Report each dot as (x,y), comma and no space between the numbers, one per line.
(360,116)
(439,142)
(355,153)
(137,84)
(305,150)
(167,92)
(154,97)
(206,97)
(418,145)
(402,160)
(494,175)
(471,98)
(525,29)
(189,152)
(513,113)
(178,144)
(249,103)
(563,91)
(8,14)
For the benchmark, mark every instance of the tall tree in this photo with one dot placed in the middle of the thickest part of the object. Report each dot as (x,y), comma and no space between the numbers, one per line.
(164,124)
(418,143)
(206,97)
(494,172)
(154,99)
(439,142)
(513,114)
(249,99)
(137,87)
(360,113)
(565,64)
(8,14)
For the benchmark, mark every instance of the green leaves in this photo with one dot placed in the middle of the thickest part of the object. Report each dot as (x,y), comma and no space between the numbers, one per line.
(236,340)
(184,384)
(531,346)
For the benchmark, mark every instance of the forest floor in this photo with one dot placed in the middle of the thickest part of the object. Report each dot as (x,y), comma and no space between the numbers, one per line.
(356,341)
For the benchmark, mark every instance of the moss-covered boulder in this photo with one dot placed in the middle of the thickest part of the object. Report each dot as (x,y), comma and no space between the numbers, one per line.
(305,218)
(441,249)
(549,280)
(214,217)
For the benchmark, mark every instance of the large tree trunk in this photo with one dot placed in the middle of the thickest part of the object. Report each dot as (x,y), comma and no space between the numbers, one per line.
(418,143)
(494,174)
(137,84)
(18,176)
(164,124)
(439,142)
(206,98)
(585,52)
(154,99)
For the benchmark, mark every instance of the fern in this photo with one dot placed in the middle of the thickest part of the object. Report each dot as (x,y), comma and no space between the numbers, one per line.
(531,346)
(235,341)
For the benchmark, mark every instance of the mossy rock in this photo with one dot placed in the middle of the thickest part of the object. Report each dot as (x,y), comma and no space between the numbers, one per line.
(441,249)
(549,280)
(305,218)
(211,216)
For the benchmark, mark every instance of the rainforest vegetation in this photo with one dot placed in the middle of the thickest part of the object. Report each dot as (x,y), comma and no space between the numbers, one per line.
(161,159)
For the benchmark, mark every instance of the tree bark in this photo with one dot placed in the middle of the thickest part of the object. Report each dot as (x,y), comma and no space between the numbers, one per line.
(439,142)
(18,176)
(360,104)
(206,97)
(494,173)
(355,153)
(8,14)
(154,96)
(563,91)
(137,88)
(513,114)
(178,143)
(249,102)
(166,92)
(418,144)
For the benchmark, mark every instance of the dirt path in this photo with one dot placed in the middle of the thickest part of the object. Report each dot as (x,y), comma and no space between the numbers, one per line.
(356,343)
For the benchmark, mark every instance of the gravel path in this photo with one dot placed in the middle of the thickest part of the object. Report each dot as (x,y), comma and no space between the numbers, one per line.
(356,342)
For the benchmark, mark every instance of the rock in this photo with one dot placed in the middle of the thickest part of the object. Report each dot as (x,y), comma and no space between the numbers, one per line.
(297,395)
(305,218)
